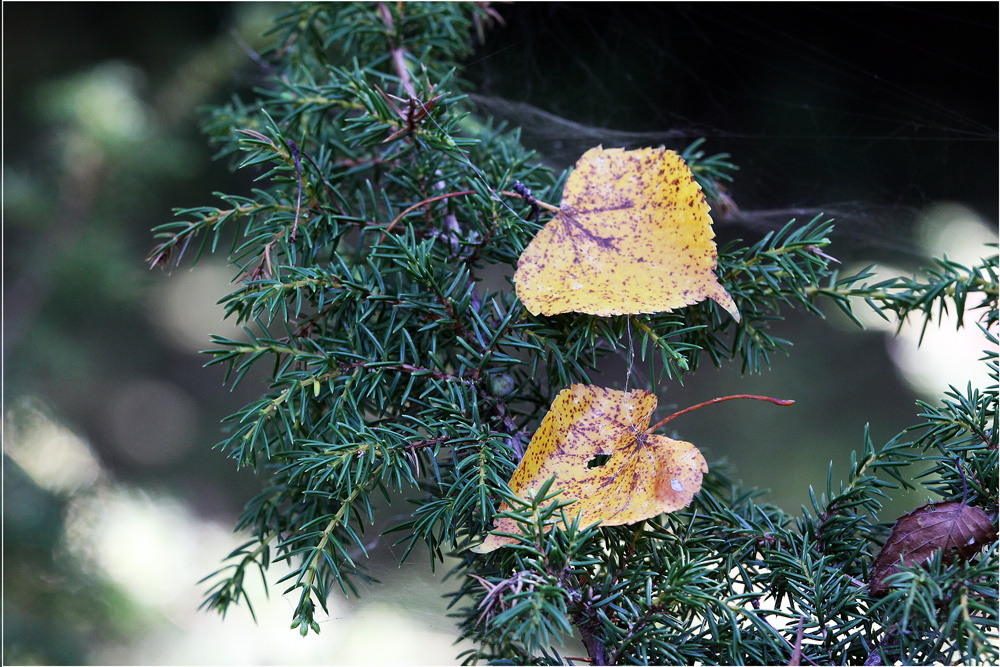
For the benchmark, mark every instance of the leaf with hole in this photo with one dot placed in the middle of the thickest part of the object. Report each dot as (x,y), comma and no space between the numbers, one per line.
(596,443)
(633,235)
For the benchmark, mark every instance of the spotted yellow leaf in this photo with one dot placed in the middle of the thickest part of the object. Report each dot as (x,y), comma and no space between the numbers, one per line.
(633,235)
(645,474)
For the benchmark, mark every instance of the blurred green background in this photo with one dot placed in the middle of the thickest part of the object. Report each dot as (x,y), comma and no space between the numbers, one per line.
(115,503)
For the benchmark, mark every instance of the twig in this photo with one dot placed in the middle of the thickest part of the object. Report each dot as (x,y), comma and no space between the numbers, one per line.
(546,206)
(398,54)
(521,189)
(965,483)
(298,174)
(418,205)
(595,648)
(797,651)
(416,112)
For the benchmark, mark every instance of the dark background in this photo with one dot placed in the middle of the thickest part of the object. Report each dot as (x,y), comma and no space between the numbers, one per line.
(869,112)
(817,103)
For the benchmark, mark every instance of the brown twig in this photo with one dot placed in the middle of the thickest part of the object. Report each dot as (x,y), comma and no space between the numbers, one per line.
(296,154)
(416,112)
(398,53)
(797,651)
(595,648)
(298,173)
(429,442)
(965,483)
(418,205)
(514,585)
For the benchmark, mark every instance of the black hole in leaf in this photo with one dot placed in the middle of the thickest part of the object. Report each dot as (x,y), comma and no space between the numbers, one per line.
(598,460)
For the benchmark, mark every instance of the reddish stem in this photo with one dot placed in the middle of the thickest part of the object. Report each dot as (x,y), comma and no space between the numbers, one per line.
(776,401)
(423,203)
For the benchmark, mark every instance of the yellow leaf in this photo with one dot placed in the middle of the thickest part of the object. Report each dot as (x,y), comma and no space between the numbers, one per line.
(645,475)
(632,235)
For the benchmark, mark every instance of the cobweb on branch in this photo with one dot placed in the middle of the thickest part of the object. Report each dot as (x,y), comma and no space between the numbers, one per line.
(561,141)
(865,113)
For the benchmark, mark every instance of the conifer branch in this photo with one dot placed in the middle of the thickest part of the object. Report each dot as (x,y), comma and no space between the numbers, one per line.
(392,368)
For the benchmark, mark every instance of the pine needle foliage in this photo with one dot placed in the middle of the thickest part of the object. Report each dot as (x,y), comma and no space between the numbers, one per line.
(373,270)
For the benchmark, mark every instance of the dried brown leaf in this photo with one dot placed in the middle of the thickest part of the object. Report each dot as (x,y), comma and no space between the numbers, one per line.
(958,529)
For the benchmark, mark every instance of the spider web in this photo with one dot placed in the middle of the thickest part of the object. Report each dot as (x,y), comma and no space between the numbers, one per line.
(866,113)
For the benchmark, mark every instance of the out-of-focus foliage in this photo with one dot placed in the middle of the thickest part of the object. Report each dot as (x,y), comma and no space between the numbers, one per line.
(97,144)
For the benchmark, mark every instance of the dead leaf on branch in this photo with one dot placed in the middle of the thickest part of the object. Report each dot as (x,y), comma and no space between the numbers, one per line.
(644,475)
(633,235)
(958,529)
